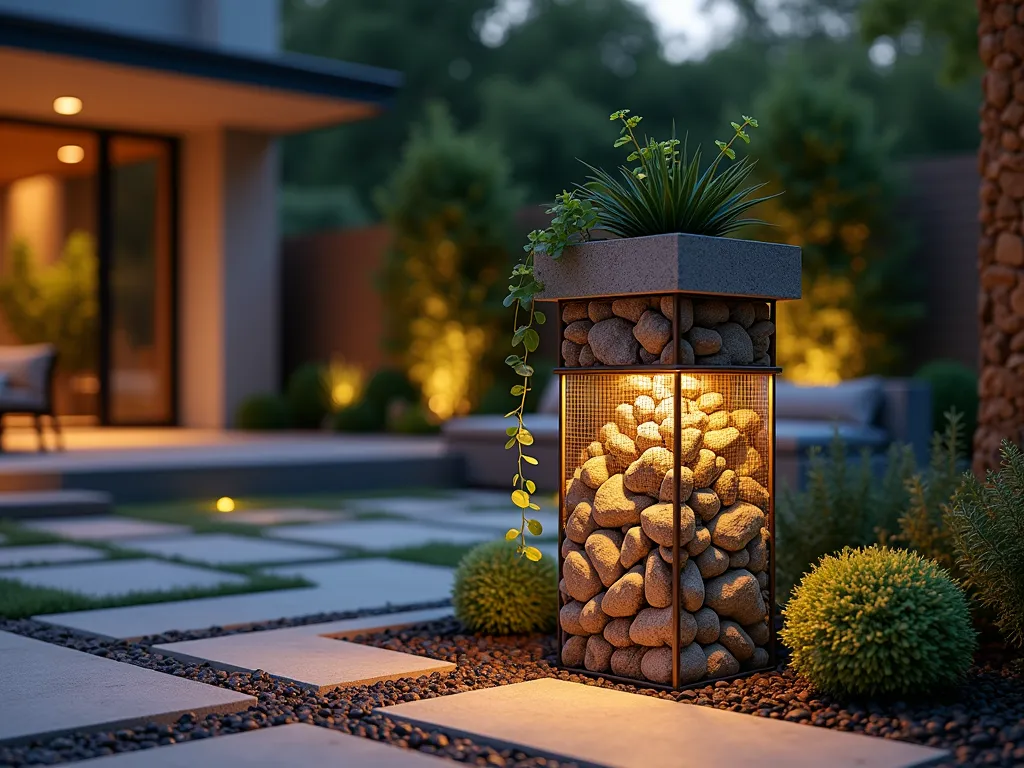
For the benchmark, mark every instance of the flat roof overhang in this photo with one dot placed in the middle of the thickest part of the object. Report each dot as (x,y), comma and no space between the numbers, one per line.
(152,85)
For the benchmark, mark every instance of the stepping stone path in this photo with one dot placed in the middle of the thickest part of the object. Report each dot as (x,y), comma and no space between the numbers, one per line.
(102,528)
(602,727)
(120,577)
(380,535)
(348,586)
(50,690)
(284,746)
(311,656)
(228,549)
(46,553)
(278,516)
(498,522)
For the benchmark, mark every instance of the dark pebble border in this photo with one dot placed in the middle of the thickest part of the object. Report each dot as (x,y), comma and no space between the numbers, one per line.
(982,723)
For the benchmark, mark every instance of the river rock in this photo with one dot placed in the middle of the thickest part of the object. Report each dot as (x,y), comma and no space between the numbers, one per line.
(758,632)
(736,343)
(758,550)
(635,546)
(736,640)
(653,331)
(656,521)
(761,329)
(667,431)
(580,523)
(762,581)
(614,507)
(721,663)
(573,311)
(667,490)
(666,409)
(703,468)
(752,492)
(666,555)
(695,420)
(574,651)
(569,618)
(739,559)
(656,665)
(710,361)
(708,626)
(562,591)
(592,618)
(646,474)
(631,309)
(626,662)
(581,579)
(616,632)
(603,551)
(705,341)
(587,357)
(612,342)
(686,354)
(568,545)
(718,440)
(750,465)
(643,409)
(648,435)
(595,449)
(599,310)
(625,421)
(577,332)
(745,420)
(735,526)
(717,420)
(692,587)
(710,402)
(598,655)
(759,659)
(712,562)
(742,312)
(705,503)
(571,353)
(626,595)
(653,627)
(736,595)
(596,470)
(727,487)
(657,581)
(622,448)
(578,492)
(710,312)
(701,540)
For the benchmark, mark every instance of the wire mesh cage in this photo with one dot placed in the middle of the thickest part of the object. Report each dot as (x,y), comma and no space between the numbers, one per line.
(666,524)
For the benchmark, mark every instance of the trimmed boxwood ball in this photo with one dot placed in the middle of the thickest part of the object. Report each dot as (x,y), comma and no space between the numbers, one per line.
(360,417)
(307,396)
(954,385)
(263,412)
(879,621)
(498,592)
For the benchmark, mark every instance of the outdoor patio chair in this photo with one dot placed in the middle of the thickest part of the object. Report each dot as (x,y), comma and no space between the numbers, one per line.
(26,386)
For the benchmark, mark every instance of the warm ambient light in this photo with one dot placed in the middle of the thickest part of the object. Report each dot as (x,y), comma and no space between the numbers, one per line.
(67,105)
(70,153)
(225,504)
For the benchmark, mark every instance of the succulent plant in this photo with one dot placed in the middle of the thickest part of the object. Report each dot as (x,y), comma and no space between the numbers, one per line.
(498,592)
(879,621)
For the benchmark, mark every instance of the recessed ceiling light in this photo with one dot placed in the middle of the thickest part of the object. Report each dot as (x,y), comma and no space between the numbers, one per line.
(67,105)
(70,153)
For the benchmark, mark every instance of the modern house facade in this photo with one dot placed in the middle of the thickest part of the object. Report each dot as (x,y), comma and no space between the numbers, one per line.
(138,196)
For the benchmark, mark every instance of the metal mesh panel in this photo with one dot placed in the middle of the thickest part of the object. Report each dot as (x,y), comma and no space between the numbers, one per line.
(624,424)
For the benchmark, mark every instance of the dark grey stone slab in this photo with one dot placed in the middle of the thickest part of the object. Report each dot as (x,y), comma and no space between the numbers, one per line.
(121,577)
(595,726)
(35,554)
(228,549)
(49,690)
(672,263)
(283,746)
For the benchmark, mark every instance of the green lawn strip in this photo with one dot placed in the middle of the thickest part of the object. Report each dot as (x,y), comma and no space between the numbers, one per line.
(17,536)
(429,554)
(18,600)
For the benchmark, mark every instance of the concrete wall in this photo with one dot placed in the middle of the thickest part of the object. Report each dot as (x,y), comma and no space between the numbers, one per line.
(228,268)
(238,25)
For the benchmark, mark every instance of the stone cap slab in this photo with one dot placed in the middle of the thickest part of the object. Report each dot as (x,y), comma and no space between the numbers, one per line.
(673,263)
(596,726)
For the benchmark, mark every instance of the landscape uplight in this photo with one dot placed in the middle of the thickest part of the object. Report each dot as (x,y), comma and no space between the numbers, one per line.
(67,105)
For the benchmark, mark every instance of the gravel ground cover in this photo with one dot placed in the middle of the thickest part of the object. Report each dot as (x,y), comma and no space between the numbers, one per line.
(982,722)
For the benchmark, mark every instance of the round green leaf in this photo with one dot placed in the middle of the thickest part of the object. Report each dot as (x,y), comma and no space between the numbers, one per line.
(535,527)
(511,534)
(529,459)
(532,553)
(531,340)
(531,486)
(524,437)
(521,498)
(538,317)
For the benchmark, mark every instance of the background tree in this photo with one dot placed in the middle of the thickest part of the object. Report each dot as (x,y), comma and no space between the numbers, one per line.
(449,206)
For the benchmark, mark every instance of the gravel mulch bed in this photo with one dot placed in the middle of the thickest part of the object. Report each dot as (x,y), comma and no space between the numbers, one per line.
(982,723)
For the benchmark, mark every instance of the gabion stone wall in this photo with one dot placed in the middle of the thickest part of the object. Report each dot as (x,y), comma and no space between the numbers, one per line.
(637,330)
(1001,249)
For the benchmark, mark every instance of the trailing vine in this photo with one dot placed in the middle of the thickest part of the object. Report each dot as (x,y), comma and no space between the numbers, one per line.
(571,222)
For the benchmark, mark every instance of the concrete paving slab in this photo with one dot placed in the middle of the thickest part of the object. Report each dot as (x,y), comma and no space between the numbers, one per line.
(279,516)
(571,721)
(405,506)
(311,656)
(283,746)
(49,690)
(104,528)
(368,583)
(228,549)
(47,553)
(121,577)
(380,535)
